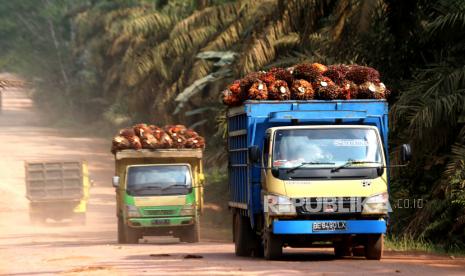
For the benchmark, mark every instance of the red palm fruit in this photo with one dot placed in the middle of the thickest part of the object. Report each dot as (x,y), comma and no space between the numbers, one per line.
(308,72)
(348,90)
(141,130)
(337,73)
(233,95)
(178,141)
(135,142)
(361,74)
(249,80)
(282,74)
(190,133)
(302,90)
(165,141)
(258,91)
(320,67)
(367,90)
(279,91)
(127,132)
(119,143)
(268,78)
(325,89)
(149,142)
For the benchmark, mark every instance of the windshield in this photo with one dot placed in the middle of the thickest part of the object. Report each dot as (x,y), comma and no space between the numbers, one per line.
(325,147)
(159,179)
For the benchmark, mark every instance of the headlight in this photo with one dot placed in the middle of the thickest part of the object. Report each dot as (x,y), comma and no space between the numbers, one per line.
(377,204)
(132,211)
(188,210)
(279,205)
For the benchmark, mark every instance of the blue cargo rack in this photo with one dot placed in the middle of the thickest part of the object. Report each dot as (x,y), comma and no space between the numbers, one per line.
(248,123)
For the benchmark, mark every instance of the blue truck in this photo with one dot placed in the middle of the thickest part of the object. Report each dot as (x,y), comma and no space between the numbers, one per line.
(309,174)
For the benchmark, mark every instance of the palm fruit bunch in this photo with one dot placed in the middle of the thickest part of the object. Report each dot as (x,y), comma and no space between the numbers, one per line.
(361,74)
(348,90)
(371,90)
(279,91)
(309,72)
(307,81)
(143,136)
(233,95)
(326,89)
(282,74)
(302,90)
(337,73)
(258,91)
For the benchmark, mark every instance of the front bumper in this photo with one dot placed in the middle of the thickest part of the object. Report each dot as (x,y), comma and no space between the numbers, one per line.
(160,222)
(306,227)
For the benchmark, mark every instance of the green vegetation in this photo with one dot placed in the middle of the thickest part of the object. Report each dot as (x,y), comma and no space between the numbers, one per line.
(111,63)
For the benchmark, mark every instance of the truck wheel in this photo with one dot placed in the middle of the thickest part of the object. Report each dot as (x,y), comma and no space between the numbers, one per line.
(243,236)
(374,247)
(192,235)
(343,248)
(121,234)
(131,235)
(272,246)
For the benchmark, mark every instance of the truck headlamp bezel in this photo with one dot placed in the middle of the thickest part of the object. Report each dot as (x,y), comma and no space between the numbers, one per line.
(279,205)
(132,211)
(187,210)
(376,204)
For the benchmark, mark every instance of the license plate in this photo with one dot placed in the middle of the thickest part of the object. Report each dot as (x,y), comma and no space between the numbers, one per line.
(329,226)
(160,222)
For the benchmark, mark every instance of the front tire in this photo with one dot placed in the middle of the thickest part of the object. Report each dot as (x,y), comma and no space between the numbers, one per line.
(132,235)
(121,234)
(374,247)
(272,246)
(192,234)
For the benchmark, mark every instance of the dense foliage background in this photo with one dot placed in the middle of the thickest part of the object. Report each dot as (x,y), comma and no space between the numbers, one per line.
(111,63)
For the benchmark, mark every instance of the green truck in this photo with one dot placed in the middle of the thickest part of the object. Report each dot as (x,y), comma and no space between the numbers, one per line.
(158,193)
(57,190)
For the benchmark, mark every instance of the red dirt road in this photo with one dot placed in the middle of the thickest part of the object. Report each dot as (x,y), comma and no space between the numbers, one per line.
(91,250)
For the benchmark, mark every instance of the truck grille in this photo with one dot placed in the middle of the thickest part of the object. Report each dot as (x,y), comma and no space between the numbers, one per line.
(320,205)
(159,212)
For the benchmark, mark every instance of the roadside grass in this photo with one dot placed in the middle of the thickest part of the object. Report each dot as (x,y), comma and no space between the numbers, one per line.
(410,244)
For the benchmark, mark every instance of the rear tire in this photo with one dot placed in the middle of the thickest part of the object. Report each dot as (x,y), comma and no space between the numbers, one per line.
(121,235)
(243,236)
(343,248)
(272,246)
(374,247)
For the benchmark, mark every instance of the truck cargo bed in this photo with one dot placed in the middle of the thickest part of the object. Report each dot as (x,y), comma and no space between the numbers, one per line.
(54,181)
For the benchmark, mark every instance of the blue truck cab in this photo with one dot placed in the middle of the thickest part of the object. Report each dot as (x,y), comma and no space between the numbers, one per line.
(309,173)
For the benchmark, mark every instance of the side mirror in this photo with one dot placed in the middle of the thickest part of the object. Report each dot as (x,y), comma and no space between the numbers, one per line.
(254,154)
(115,181)
(405,153)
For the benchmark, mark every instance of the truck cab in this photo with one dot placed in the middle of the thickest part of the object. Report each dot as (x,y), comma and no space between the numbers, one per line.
(309,173)
(159,192)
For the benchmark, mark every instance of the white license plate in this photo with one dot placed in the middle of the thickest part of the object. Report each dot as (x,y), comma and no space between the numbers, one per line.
(329,226)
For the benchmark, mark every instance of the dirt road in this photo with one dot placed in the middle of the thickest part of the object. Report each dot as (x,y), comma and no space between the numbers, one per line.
(91,250)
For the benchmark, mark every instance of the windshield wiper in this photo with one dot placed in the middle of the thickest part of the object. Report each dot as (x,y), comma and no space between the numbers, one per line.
(138,189)
(174,185)
(352,162)
(308,163)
